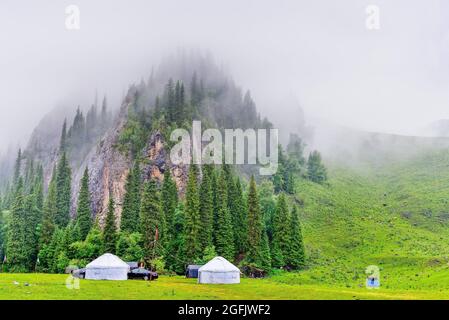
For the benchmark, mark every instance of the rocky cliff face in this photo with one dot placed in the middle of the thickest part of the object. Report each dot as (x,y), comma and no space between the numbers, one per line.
(109,168)
(159,160)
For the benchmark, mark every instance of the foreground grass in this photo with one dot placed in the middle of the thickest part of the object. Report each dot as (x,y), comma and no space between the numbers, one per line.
(53,287)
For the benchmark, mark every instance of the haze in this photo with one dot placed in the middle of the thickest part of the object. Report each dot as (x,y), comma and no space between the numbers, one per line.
(318,54)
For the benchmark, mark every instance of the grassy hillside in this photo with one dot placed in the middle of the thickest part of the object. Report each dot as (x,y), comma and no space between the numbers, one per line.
(394,217)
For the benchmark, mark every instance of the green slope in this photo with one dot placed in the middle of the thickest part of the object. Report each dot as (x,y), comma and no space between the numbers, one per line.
(394,216)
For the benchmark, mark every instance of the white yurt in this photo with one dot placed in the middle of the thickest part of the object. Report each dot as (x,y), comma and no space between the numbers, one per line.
(219,270)
(107,267)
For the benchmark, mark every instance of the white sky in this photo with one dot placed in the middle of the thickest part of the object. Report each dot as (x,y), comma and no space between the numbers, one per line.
(395,79)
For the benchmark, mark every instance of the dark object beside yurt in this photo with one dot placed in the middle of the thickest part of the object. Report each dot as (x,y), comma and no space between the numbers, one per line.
(192,270)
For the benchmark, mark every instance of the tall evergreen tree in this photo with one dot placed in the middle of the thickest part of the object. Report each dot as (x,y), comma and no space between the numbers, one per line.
(295,150)
(316,171)
(267,205)
(91,124)
(29,175)
(63,191)
(281,244)
(297,253)
(215,201)
(195,91)
(16,252)
(17,168)
(77,134)
(179,102)
(105,119)
(170,101)
(169,199)
(110,229)
(257,251)
(131,202)
(175,258)
(283,179)
(49,213)
(265,254)
(39,187)
(151,223)
(192,218)
(239,217)
(63,140)
(84,213)
(224,238)
(206,209)
(31,220)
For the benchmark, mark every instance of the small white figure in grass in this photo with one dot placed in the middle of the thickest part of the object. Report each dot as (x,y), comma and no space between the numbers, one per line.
(373,277)
(71,282)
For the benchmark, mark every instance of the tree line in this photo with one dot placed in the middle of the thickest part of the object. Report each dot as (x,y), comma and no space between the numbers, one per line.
(219,215)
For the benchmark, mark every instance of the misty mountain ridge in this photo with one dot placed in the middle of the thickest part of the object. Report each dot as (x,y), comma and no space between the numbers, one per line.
(109,144)
(439,128)
(349,146)
(224,105)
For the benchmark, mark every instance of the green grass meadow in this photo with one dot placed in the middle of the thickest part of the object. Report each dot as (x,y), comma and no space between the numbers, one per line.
(53,287)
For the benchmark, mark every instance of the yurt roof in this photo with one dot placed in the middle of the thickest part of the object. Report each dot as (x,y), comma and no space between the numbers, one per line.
(219,264)
(108,260)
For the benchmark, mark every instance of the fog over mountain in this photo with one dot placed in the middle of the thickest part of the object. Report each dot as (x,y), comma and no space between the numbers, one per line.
(317,55)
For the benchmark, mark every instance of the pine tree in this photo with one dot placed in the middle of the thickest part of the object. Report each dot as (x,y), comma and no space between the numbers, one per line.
(192,244)
(84,213)
(29,175)
(255,227)
(195,92)
(131,203)
(175,256)
(91,123)
(104,114)
(49,213)
(151,223)
(239,217)
(206,209)
(179,102)
(39,187)
(295,150)
(169,199)
(47,252)
(32,217)
(281,234)
(17,167)
(215,200)
(63,140)
(16,252)
(265,254)
(224,238)
(63,191)
(297,253)
(110,229)
(267,205)
(170,101)
(283,180)
(316,171)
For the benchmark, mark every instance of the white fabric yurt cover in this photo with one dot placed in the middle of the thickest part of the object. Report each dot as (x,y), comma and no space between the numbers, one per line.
(219,270)
(107,267)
